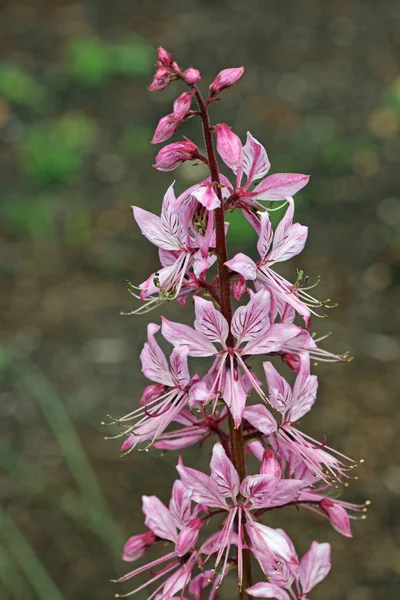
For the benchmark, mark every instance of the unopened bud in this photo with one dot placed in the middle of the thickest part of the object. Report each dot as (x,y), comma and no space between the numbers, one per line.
(172,155)
(229,146)
(225,79)
(191,76)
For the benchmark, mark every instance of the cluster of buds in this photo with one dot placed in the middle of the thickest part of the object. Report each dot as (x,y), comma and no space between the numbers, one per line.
(244,414)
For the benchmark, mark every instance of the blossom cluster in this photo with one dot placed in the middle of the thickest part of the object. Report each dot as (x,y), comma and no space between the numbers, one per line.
(245,415)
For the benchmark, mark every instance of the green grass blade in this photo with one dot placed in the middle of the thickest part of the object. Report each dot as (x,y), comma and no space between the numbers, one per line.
(70,445)
(24,555)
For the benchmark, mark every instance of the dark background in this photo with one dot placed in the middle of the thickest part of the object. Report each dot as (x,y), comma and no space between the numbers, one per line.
(322,92)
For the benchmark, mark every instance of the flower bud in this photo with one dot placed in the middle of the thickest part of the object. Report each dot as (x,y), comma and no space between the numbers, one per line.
(137,545)
(172,155)
(225,79)
(165,128)
(191,75)
(239,287)
(161,79)
(182,105)
(164,57)
(188,537)
(229,146)
(270,465)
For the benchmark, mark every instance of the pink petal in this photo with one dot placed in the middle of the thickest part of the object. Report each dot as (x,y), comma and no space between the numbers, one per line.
(266,539)
(279,186)
(201,487)
(315,566)
(158,518)
(224,473)
(272,339)
(154,230)
(206,195)
(209,321)
(268,590)
(248,321)
(279,392)
(180,505)
(179,366)
(154,363)
(234,394)
(254,160)
(289,240)
(244,265)
(338,517)
(178,334)
(259,416)
(304,389)
(265,236)
(188,537)
(258,489)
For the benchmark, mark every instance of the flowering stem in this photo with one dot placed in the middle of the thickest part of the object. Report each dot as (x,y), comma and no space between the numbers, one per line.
(236,437)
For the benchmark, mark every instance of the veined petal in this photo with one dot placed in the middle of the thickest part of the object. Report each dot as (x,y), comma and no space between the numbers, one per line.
(154,363)
(258,489)
(315,566)
(158,518)
(304,389)
(272,339)
(279,391)
(248,321)
(279,186)
(289,238)
(265,236)
(259,416)
(254,159)
(201,487)
(180,505)
(209,321)
(233,393)
(178,334)
(179,365)
(268,590)
(154,230)
(243,265)
(224,473)
(266,539)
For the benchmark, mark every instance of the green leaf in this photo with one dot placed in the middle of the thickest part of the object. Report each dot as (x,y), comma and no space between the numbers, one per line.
(19,87)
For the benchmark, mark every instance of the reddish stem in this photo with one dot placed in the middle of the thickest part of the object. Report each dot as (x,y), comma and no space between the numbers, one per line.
(236,437)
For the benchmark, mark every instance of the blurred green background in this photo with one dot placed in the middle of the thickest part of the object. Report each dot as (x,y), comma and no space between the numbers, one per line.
(322,92)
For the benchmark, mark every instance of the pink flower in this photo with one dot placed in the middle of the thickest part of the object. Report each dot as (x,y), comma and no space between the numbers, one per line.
(293,405)
(169,525)
(172,155)
(181,248)
(225,79)
(257,491)
(313,568)
(250,326)
(287,241)
(252,160)
(166,402)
